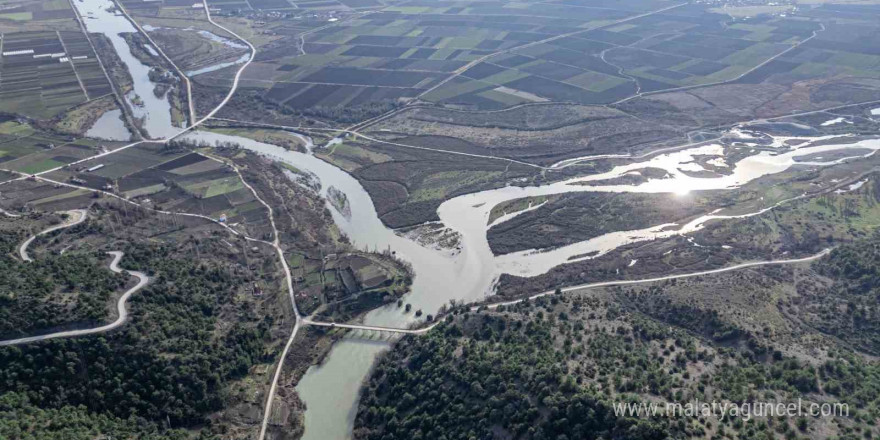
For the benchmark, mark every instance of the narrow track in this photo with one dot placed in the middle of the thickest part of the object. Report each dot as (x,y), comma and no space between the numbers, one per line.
(76,217)
(579,287)
(121,310)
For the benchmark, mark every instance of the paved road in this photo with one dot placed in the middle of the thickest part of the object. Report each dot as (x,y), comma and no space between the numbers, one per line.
(288,278)
(121,310)
(235,80)
(76,217)
(123,313)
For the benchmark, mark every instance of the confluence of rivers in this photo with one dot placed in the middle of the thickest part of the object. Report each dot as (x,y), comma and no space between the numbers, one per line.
(331,390)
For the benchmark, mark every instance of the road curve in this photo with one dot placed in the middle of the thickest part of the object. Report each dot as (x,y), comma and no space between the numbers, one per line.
(9,214)
(121,310)
(235,79)
(77,216)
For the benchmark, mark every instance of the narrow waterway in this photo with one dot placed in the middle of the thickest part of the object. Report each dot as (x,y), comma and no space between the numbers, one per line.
(215,67)
(330,390)
(102,17)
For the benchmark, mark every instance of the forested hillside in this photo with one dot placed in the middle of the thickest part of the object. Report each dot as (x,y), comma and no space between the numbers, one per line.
(170,363)
(847,303)
(193,333)
(553,368)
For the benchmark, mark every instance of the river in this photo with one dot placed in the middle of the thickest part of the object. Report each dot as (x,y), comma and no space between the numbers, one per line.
(101,16)
(330,390)
(109,126)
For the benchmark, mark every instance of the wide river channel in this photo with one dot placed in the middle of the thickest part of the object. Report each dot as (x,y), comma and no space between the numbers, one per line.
(102,17)
(330,390)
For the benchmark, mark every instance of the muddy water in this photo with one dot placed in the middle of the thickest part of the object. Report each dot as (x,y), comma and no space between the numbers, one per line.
(468,214)
(330,403)
(330,391)
(156,112)
(109,127)
(215,67)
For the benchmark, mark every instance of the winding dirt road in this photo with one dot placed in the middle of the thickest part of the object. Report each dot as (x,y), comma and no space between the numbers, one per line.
(77,216)
(121,310)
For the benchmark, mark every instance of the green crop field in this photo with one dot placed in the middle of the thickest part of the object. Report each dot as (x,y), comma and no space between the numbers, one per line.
(548,52)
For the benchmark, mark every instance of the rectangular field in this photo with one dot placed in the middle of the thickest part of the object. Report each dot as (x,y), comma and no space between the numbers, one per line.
(44,73)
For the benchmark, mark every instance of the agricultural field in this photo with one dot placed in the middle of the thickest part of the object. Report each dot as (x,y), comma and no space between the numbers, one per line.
(26,149)
(399,53)
(30,15)
(352,283)
(47,64)
(271,8)
(678,47)
(493,56)
(546,82)
(171,179)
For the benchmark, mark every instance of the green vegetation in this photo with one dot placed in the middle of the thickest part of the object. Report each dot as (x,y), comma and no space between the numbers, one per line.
(553,368)
(21,419)
(171,363)
(54,290)
(482,375)
(847,306)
